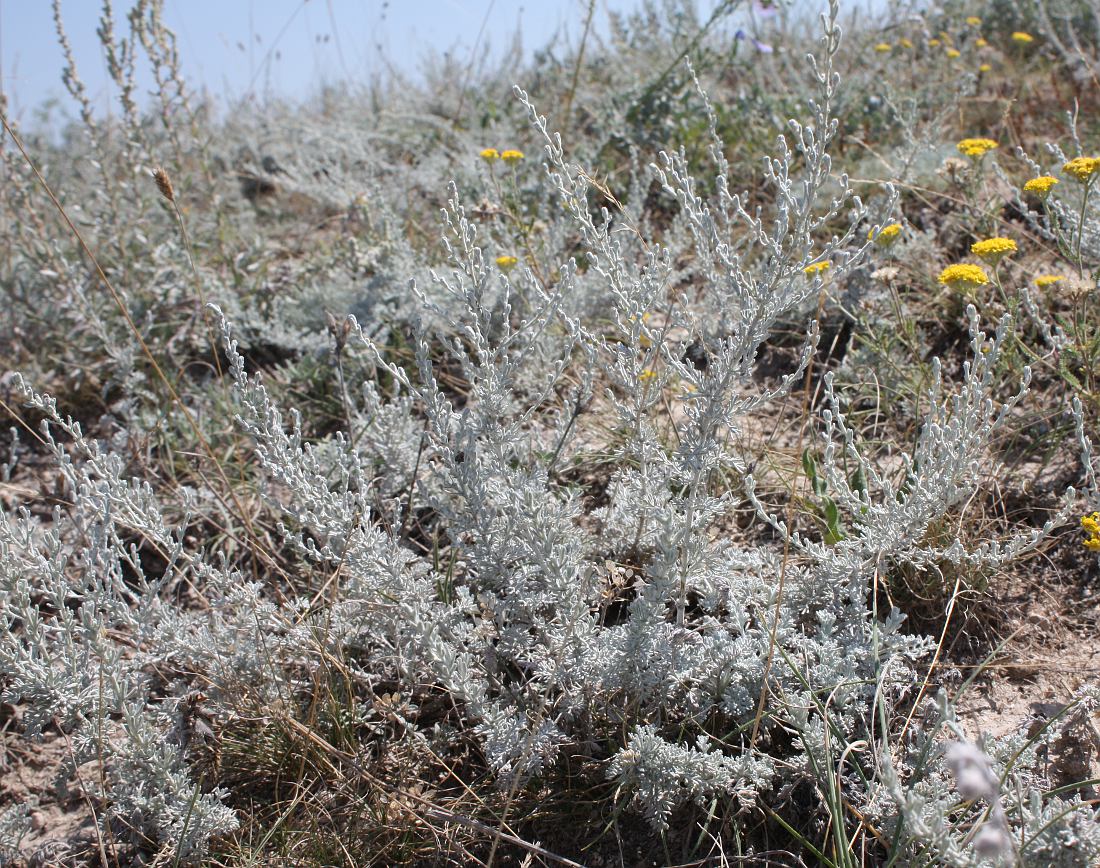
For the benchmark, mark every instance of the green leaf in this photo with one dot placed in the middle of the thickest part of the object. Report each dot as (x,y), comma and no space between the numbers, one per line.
(832,521)
(1064,370)
(858,481)
(808,466)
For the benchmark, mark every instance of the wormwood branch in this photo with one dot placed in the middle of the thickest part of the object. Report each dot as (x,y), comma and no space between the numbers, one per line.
(237,508)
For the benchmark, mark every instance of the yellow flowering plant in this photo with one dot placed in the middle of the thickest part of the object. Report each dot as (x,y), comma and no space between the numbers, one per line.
(1022,38)
(993,250)
(976,148)
(511,156)
(1040,186)
(886,236)
(506,263)
(1090,524)
(490,155)
(883,47)
(817,268)
(963,276)
(1045,280)
(1082,168)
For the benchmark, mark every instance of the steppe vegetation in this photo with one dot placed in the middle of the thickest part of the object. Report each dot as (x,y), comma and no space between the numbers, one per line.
(676,449)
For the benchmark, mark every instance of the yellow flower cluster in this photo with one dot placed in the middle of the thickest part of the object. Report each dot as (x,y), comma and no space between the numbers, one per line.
(1082,168)
(886,235)
(1045,280)
(817,267)
(905,43)
(976,147)
(506,263)
(1040,186)
(491,155)
(1022,38)
(883,47)
(980,43)
(964,275)
(1090,524)
(993,250)
(973,20)
(953,53)
(985,67)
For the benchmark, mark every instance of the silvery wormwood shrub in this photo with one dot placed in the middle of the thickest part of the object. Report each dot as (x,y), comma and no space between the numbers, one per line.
(530,578)
(520,635)
(949,459)
(944,800)
(217,245)
(658,677)
(85,635)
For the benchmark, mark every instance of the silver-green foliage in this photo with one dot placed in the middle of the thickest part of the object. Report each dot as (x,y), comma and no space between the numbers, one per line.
(706,644)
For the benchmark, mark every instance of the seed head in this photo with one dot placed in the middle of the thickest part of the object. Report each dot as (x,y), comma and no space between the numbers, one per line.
(164,183)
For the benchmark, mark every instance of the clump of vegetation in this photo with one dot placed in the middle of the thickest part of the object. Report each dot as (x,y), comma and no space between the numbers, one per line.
(648,466)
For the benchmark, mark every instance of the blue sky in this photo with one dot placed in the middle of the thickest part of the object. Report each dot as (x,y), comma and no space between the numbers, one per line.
(238,48)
